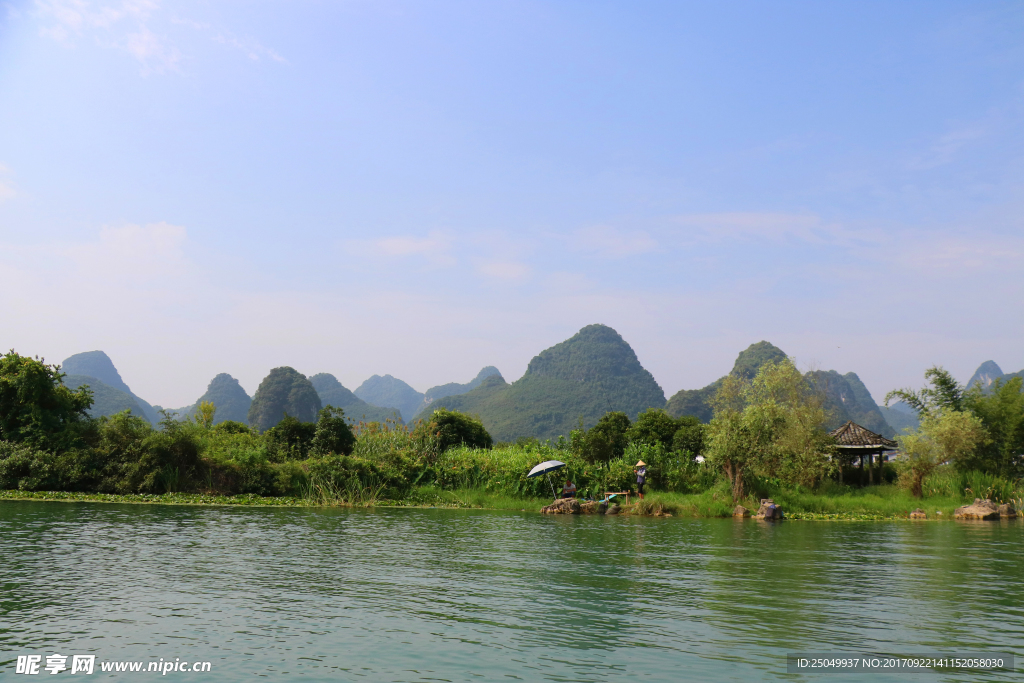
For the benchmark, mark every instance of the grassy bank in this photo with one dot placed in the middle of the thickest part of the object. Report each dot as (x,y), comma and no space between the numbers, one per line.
(885,502)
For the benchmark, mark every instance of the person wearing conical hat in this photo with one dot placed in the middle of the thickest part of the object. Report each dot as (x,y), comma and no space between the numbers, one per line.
(641,477)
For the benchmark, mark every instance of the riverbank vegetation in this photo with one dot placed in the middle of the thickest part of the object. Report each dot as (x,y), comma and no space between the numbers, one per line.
(765,440)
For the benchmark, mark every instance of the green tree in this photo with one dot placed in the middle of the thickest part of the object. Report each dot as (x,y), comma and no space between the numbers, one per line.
(453,428)
(204,413)
(290,439)
(690,436)
(1001,411)
(945,393)
(947,436)
(36,408)
(653,426)
(771,426)
(332,435)
(603,442)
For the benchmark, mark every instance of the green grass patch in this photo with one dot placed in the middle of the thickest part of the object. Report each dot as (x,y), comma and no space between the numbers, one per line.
(246,499)
(880,502)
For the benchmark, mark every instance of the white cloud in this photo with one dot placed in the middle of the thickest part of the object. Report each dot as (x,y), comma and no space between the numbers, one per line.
(609,242)
(139,28)
(139,254)
(435,248)
(249,46)
(6,191)
(945,149)
(152,50)
(957,253)
(761,225)
(509,270)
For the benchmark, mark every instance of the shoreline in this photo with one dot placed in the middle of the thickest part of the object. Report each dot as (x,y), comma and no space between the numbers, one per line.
(655,508)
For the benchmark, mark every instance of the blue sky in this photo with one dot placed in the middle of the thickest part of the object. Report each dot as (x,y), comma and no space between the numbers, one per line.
(425,188)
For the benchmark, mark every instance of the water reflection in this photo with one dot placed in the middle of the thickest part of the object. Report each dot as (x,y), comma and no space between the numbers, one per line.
(414,595)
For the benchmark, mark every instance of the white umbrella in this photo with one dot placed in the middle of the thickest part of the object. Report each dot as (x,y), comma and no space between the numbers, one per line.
(547,468)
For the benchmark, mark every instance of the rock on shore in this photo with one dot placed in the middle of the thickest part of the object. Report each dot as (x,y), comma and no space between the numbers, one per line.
(740,511)
(563,506)
(768,510)
(985,509)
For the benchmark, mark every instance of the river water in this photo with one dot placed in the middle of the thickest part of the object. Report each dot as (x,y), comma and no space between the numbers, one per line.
(457,595)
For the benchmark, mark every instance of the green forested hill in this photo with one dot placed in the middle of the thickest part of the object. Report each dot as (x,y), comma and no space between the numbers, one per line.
(697,402)
(987,373)
(592,373)
(849,399)
(454,388)
(284,390)
(97,364)
(229,397)
(332,393)
(391,392)
(106,399)
(900,416)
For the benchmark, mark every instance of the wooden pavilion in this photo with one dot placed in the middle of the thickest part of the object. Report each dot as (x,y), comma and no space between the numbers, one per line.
(853,441)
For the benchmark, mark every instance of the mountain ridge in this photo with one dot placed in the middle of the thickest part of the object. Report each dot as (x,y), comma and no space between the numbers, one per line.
(333,393)
(593,372)
(97,364)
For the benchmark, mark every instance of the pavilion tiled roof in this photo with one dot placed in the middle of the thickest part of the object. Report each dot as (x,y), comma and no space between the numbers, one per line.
(852,434)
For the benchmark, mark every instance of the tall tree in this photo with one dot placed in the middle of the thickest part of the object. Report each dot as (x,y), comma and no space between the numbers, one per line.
(949,436)
(1000,407)
(772,426)
(36,407)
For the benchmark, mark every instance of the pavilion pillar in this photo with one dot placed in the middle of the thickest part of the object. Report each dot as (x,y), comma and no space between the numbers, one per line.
(871,469)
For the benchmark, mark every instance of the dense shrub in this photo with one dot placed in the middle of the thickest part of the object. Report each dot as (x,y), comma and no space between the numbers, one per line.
(35,406)
(653,426)
(453,428)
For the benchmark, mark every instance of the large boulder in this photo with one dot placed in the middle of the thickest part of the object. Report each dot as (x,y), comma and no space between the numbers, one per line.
(918,514)
(740,511)
(1007,511)
(768,510)
(979,509)
(594,507)
(564,506)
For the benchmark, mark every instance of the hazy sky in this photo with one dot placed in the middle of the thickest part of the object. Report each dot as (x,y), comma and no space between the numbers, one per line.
(424,188)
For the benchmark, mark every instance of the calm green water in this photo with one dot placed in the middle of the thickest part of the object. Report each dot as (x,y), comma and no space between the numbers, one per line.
(441,595)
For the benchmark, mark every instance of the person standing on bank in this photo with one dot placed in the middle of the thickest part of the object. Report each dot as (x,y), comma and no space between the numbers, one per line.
(641,477)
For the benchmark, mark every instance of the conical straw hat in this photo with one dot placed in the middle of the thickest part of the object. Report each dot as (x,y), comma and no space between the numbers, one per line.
(640,463)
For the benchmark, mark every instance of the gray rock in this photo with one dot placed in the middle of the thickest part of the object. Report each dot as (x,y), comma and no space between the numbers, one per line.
(768,510)
(563,506)
(979,509)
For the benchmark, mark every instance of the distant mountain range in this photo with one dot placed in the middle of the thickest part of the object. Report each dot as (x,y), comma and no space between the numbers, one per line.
(332,393)
(593,372)
(390,392)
